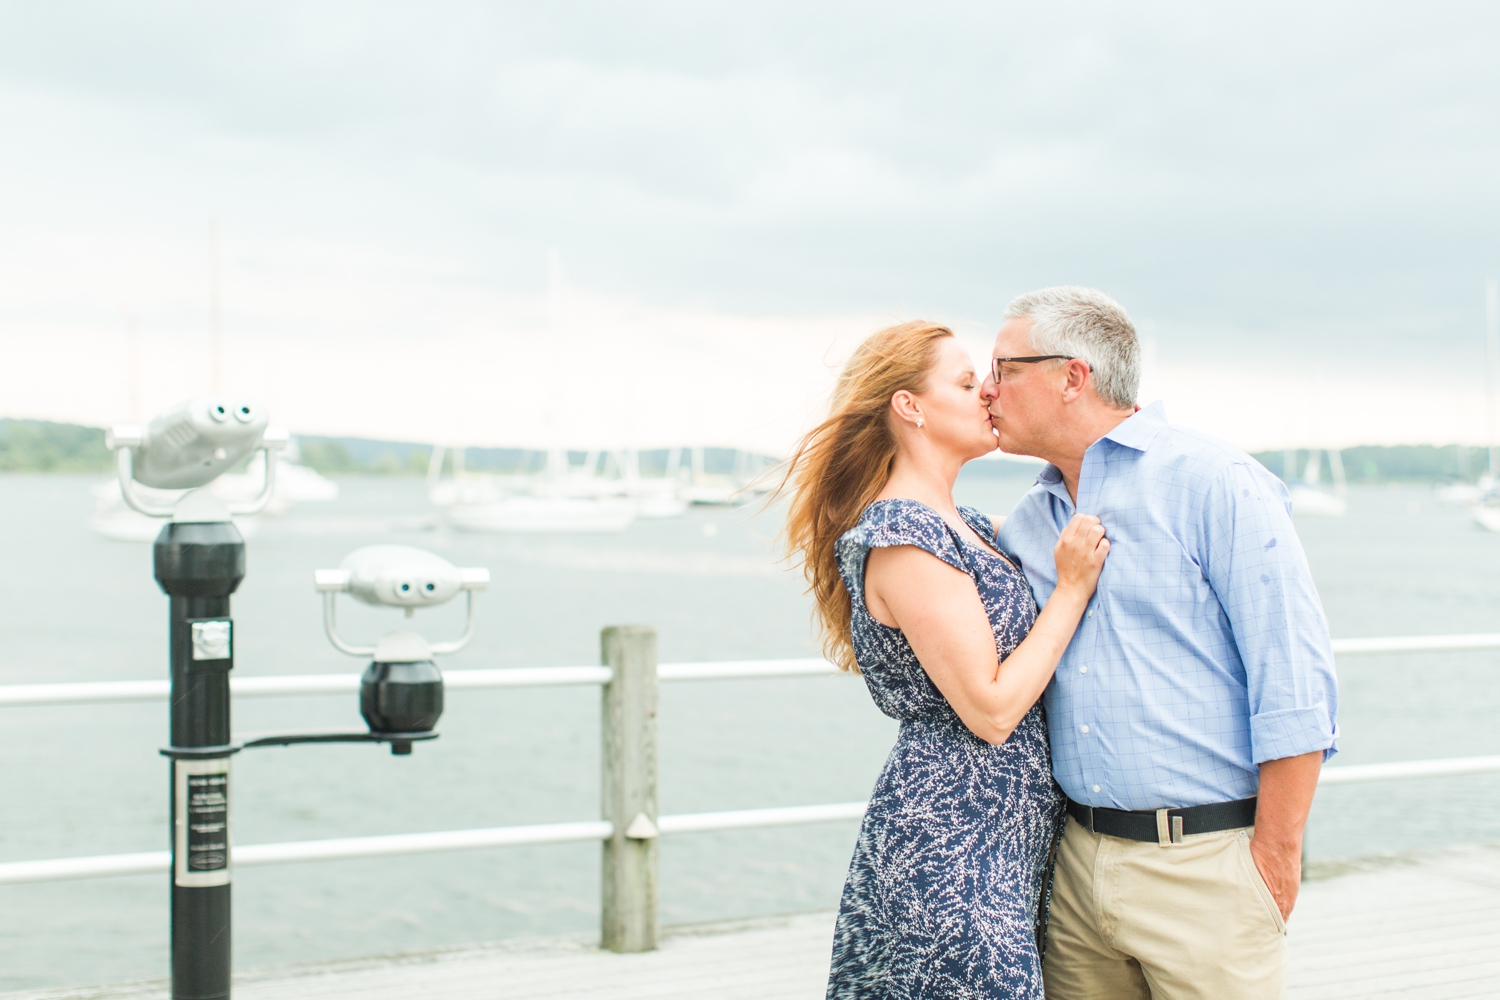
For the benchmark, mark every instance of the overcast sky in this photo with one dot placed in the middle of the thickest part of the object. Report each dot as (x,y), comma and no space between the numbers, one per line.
(1297,203)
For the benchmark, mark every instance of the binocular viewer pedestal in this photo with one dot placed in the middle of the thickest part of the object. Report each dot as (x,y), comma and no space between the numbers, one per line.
(199,560)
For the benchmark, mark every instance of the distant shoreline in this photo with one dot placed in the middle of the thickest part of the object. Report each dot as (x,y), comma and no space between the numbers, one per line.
(48,446)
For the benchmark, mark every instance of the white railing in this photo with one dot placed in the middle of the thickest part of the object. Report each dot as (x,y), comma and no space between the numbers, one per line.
(158,862)
(1418,643)
(15,695)
(1452,767)
(252,855)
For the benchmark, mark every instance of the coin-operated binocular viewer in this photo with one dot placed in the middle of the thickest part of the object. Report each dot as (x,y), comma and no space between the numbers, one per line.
(199,561)
(401,692)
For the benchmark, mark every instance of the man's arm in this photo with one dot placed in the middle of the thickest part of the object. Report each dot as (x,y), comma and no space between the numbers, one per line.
(1256,566)
(1283,802)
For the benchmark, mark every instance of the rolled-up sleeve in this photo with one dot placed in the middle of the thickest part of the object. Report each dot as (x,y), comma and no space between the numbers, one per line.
(1256,566)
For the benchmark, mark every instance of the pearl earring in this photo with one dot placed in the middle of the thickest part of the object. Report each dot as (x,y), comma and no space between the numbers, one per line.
(919,421)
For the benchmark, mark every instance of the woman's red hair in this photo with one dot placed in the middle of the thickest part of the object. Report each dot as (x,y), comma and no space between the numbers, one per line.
(840,466)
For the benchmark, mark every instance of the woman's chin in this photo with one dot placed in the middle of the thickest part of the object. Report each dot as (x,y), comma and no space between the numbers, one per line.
(983,447)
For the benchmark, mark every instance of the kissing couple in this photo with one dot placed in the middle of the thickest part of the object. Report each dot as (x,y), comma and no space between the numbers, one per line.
(1113,709)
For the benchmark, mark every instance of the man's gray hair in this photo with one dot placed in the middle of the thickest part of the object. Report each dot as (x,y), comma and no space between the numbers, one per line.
(1087,324)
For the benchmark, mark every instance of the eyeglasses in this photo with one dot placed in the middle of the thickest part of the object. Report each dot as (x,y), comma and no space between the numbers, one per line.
(995,363)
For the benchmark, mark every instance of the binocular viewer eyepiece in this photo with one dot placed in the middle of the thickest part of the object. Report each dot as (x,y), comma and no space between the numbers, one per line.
(399,576)
(401,692)
(191,445)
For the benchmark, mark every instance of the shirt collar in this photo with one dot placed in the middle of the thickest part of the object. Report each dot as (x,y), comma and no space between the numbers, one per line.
(1050,479)
(1138,430)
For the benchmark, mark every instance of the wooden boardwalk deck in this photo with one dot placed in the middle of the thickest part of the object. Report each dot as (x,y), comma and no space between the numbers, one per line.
(1425,928)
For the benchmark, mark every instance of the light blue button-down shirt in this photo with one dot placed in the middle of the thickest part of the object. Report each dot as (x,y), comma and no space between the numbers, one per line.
(1205,650)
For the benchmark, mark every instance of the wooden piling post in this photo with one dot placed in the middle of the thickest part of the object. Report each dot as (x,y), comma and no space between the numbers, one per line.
(628,780)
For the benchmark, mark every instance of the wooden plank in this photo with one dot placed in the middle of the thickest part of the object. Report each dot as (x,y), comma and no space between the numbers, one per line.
(1419,929)
(778,959)
(1425,928)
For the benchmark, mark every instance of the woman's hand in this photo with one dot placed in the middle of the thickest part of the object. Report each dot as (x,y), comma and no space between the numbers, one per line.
(939,610)
(1080,553)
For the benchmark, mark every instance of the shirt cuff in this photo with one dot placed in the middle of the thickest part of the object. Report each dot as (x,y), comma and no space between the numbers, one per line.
(1292,732)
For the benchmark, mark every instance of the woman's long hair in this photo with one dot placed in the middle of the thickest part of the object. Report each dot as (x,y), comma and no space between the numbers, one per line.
(841,465)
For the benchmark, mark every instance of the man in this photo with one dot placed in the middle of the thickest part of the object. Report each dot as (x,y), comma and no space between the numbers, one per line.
(1193,709)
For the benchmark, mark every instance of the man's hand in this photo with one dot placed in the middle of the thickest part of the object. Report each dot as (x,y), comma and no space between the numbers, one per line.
(1282,804)
(1281,867)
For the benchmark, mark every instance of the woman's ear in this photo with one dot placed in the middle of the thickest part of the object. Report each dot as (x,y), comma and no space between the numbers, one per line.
(905,406)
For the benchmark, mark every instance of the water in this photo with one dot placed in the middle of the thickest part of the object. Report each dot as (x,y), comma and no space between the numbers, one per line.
(87,780)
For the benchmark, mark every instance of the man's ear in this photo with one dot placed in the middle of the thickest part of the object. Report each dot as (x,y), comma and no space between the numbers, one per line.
(1078,376)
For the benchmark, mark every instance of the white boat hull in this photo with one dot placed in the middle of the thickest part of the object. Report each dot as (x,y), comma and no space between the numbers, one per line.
(131,526)
(528,515)
(711,495)
(660,507)
(1459,493)
(1309,502)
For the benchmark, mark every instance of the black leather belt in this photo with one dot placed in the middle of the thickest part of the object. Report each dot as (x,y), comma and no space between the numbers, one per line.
(1164,826)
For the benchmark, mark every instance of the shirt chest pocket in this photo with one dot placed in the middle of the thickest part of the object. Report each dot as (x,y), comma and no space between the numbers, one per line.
(1155,568)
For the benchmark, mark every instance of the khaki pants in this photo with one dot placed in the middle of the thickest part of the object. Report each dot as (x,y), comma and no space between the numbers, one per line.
(1189,921)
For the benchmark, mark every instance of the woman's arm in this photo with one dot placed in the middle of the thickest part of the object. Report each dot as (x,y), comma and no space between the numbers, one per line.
(938,609)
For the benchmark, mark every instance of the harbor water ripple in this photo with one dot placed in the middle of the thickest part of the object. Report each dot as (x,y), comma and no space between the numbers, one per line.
(85,780)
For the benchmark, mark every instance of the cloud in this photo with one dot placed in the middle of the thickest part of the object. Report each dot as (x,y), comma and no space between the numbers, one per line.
(1283,189)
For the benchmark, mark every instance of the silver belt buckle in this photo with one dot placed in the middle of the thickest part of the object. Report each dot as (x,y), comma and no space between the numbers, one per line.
(1168,828)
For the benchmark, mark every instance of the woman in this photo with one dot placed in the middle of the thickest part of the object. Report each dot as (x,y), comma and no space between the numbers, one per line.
(945,893)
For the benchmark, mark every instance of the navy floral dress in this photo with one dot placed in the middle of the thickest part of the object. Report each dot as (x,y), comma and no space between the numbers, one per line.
(946,893)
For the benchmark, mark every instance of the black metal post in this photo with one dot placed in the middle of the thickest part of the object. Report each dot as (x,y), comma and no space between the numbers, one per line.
(199,565)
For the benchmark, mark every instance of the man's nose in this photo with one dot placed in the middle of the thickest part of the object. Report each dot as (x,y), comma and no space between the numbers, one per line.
(989,391)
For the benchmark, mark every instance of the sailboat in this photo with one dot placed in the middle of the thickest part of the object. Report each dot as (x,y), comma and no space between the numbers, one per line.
(654,497)
(741,485)
(1486,506)
(1309,499)
(552,504)
(295,483)
(1458,492)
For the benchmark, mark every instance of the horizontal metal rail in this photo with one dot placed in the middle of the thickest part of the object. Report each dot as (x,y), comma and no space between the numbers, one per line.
(83,693)
(250,855)
(1417,643)
(14,695)
(305,684)
(723,670)
(292,684)
(742,819)
(1451,767)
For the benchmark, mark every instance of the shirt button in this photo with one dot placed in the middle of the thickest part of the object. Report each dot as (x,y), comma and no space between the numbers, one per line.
(1085,728)
(1096,788)
(1083,669)
(1090,614)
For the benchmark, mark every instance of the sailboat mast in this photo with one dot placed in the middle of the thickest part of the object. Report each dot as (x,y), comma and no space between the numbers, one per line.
(215,335)
(132,370)
(1491,365)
